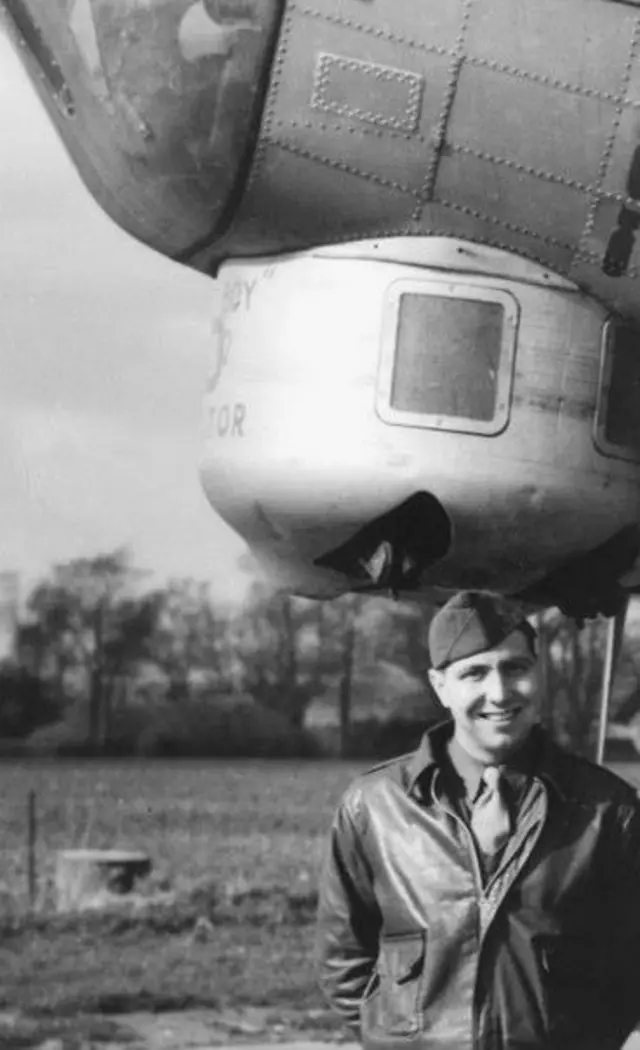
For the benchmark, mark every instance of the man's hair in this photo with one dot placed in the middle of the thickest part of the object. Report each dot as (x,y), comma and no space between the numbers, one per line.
(472,622)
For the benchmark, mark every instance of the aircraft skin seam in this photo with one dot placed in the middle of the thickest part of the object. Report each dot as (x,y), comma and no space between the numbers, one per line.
(539,173)
(495,66)
(440,131)
(588,189)
(606,156)
(339,165)
(382,34)
(513,227)
(561,85)
(348,169)
(349,129)
(270,105)
(611,140)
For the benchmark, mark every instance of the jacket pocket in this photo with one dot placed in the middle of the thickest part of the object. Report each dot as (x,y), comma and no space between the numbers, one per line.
(391,1004)
(576,988)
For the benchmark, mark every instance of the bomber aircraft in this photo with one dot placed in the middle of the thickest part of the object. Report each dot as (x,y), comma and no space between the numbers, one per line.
(421,224)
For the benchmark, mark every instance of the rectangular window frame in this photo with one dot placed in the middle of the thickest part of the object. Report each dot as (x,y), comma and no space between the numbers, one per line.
(504,386)
(607,448)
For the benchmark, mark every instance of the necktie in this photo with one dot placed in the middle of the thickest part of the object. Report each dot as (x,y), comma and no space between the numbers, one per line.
(490,819)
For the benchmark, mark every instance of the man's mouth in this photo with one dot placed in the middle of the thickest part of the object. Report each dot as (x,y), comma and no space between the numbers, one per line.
(501,717)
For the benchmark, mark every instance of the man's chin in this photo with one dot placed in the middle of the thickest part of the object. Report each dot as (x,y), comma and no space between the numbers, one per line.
(502,740)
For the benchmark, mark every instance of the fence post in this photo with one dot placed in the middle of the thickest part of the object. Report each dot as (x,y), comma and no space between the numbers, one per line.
(31,849)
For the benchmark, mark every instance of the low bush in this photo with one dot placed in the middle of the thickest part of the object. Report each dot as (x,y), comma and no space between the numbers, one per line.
(232,728)
(210,727)
(377,739)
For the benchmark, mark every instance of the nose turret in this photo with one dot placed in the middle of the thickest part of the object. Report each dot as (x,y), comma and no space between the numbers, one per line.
(157,103)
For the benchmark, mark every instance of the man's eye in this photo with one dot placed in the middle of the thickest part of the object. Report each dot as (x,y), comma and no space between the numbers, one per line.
(474,674)
(517,670)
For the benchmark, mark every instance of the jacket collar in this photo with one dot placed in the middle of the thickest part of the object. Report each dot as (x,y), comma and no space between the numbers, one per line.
(424,761)
(545,758)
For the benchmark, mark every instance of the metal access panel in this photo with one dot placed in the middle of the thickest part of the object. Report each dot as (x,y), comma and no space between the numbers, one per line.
(447,357)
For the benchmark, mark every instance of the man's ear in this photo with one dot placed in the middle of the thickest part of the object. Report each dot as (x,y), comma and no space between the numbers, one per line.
(436,679)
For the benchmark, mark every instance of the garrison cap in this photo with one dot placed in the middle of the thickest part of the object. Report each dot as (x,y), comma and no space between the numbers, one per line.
(470,623)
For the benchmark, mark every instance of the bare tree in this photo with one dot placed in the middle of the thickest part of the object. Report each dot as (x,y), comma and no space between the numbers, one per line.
(190,639)
(92,624)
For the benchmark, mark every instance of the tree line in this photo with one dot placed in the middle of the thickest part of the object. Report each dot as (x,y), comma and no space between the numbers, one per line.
(106,664)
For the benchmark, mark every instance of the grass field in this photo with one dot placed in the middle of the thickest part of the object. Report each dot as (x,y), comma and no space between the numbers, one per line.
(223,821)
(215,831)
(237,842)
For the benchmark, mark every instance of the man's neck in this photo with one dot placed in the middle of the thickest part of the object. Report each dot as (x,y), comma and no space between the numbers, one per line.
(470,767)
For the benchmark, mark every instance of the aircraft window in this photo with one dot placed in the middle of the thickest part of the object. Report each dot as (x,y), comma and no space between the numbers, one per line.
(618,412)
(454,371)
(447,357)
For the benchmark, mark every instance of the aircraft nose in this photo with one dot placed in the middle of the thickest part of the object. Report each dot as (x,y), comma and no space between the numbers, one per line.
(157,103)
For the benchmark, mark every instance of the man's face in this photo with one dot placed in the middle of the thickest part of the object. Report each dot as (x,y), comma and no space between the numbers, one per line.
(491,697)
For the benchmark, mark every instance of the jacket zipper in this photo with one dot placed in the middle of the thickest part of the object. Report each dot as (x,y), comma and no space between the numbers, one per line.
(479,881)
(481,896)
(522,855)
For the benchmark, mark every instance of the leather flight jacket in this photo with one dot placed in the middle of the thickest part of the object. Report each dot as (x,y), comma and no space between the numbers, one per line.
(416,950)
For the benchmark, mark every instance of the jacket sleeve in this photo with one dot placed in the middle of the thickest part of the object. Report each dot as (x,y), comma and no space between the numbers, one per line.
(624,865)
(348,918)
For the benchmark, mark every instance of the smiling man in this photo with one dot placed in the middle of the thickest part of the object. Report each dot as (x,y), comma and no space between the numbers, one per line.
(483,893)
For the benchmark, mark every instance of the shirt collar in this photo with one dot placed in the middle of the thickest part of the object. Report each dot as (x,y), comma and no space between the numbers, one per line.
(539,757)
(468,768)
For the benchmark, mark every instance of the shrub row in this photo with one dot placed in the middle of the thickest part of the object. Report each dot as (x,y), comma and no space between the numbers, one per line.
(238,728)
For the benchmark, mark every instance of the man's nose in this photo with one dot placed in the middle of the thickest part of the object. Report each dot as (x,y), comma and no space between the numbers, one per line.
(497,689)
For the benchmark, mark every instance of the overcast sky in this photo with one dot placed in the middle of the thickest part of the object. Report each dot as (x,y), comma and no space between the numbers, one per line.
(103,351)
